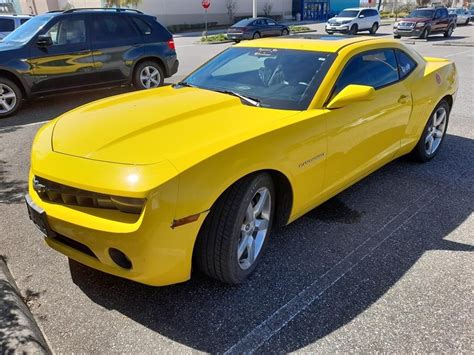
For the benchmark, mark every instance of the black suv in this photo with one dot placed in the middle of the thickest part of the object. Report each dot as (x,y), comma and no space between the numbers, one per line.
(80,49)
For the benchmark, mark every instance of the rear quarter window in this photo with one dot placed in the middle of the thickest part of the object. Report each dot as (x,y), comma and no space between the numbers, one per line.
(7,25)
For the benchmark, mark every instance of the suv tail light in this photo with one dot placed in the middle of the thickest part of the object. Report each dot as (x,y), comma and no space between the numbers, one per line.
(171,44)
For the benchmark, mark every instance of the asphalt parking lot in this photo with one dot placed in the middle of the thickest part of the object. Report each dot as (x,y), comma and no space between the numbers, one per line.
(386,265)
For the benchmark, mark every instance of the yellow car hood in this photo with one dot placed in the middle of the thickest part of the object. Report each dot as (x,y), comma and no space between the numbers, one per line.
(147,127)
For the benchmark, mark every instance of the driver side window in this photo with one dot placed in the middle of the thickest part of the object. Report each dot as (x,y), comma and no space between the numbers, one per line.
(377,68)
(68,31)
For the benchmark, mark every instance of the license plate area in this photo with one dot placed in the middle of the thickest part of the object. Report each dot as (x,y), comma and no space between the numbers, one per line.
(38,216)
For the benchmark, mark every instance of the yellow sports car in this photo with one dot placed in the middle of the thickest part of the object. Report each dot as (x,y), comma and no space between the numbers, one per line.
(147,184)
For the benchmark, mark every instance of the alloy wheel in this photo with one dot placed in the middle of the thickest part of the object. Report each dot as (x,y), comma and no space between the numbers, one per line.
(150,77)
(436,130)
(7,98)
(254,228)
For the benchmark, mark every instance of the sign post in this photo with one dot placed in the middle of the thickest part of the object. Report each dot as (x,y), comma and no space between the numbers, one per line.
(206,4)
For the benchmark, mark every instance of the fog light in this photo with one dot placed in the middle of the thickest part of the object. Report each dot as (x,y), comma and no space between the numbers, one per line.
(120,258)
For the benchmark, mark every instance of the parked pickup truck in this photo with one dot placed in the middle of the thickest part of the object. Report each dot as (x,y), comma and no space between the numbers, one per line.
(425,22)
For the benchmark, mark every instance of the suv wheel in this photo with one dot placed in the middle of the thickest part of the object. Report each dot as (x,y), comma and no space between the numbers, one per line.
(449,32)
(234,234)
(425,33)
(148,75)
(10,97)
(354,29)
(374,28)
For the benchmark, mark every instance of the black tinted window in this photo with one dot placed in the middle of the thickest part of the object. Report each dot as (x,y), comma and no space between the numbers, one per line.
(405,64)
(6,25)
(68,31)
(376,68)
(112,27)
(145,28)
(23,20)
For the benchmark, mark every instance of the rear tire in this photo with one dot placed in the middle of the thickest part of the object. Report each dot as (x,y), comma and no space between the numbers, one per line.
(148,75)
(433,134)
(256,35)
(11,97)
(374,28)
(329,32)
(467,22)
(285,32)
(234,227)
(397,36)
(354,29)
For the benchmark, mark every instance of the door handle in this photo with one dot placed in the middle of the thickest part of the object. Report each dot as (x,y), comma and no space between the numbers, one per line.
(404,99)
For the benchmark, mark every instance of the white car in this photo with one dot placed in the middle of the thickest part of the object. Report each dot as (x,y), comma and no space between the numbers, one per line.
(9,23)
(463,16)
(354,20)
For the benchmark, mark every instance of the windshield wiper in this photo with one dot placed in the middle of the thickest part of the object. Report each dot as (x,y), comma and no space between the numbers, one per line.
(184,83)
(250,100)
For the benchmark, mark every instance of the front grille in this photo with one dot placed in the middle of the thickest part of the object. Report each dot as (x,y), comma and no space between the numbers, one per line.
(406,24)
(74,244)
(54,192)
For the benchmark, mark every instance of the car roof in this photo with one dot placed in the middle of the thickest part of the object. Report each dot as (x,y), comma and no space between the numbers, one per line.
(356,8)
(15,16)
(311,42)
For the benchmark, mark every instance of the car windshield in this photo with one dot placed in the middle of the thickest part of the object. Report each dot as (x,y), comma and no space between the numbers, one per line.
(243,23)
(273,78)
(422,14)
(30,28)
(348,13)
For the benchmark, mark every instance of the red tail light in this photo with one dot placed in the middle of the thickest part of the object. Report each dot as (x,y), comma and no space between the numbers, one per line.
(171,44)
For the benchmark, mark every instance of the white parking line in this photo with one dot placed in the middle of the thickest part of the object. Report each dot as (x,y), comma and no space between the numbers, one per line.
(281,317)
(468,51)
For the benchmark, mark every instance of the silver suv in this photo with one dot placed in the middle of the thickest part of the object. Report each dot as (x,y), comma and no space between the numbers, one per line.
(354,20)
(8,23)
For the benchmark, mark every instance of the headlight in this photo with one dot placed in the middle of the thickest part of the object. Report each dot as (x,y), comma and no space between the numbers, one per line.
(420,24)
(128,204)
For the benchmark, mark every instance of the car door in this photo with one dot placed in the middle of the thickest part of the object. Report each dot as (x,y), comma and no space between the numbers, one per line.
(365,135)
(116,44)
(441,20)
(272,27)
(364,22)
(67,61)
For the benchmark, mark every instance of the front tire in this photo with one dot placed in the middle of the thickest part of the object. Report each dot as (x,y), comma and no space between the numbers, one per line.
(433,134)
(449,32)
(256,35)
(11,97)
(425,33)
(284,32)
(234,234)
(148,75)
(353,30)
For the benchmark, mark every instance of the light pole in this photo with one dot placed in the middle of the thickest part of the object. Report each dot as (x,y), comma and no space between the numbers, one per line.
(254,12)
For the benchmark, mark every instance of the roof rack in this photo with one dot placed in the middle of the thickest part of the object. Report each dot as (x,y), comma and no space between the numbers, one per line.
(116,9)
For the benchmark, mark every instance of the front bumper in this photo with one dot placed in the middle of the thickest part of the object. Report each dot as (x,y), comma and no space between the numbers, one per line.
(159,254)
(337,28)
(412,32)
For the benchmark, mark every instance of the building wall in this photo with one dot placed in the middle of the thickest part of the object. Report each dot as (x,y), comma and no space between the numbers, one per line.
(170,12)
(339,5)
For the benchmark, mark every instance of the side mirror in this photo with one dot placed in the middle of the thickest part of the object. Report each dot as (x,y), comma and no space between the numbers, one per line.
(44,41)
(361,16)
(351,94)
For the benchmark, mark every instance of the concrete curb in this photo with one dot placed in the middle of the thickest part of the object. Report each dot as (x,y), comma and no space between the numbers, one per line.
(19,332)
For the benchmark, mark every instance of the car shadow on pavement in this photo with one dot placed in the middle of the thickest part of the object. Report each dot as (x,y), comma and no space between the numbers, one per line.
(402,212)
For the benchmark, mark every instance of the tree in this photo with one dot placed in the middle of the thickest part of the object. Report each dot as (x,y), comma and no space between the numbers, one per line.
(122,3)
(422,2)
(231,7)
(267,8)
